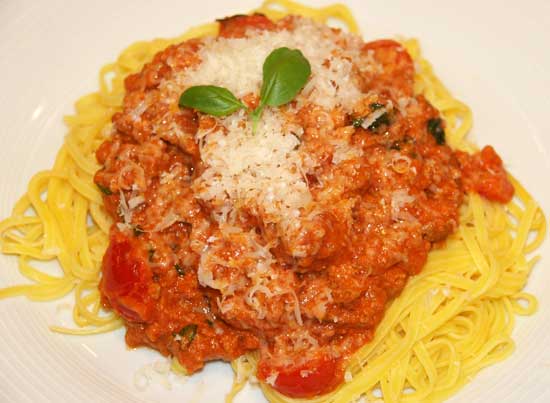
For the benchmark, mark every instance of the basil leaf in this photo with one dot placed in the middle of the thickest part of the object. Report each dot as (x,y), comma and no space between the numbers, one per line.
(217,101)
(285,72)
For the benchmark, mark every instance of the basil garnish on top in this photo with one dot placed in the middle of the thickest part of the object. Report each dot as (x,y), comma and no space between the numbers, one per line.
(217,101)
(285,72)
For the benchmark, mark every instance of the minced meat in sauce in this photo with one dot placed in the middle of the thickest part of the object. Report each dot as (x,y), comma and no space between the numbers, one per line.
(329,278)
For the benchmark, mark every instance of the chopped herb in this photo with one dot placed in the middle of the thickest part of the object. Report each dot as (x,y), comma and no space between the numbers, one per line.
(399,144)
(105,190)
(357,122)
(151,254)
(395,146)
(374,106)
(435,128)
(189,332)
(384,119)
(179,269)
(210,322)
(138,231)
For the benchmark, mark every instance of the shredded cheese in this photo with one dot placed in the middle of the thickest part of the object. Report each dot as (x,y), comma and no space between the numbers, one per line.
(399,199)
(265,171)
(261,170)
(236,63)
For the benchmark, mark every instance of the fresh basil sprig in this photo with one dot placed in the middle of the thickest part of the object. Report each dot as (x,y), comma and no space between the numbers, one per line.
(285,72)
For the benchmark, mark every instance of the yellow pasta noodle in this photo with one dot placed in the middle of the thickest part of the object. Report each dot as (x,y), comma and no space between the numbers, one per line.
(451,320)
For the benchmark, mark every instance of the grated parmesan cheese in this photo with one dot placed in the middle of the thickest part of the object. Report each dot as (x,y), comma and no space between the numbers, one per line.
(135,201)
(124,212)
(236,63)
(261,170)
(399,199)
(304,373)
(348,377)
(272,378)
(265,171)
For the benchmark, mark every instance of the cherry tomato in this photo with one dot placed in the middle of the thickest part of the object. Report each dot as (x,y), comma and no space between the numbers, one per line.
(398,67)
(496,188)
(484,173)
(315,377)
(236,26)
(125,280)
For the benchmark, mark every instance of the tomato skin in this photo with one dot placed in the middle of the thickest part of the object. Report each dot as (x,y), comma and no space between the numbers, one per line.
(497,187)
(236,26)
(322,375)
(397,64)
(484,173)
(125,280)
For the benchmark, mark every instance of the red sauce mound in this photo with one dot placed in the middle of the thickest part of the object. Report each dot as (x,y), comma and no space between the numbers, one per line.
(384,190)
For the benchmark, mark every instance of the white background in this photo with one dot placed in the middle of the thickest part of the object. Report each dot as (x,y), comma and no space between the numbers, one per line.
(492,54)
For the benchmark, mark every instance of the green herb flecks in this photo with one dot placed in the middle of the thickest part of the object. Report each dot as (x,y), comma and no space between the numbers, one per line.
(138,231)
(189,332)
(358,122)
(383,119)
(435,127)
(105,190)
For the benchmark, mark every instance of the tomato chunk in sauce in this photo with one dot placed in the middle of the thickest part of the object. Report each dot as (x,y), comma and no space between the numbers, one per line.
(200,271)
(484,173)
(318,376)
(126,280)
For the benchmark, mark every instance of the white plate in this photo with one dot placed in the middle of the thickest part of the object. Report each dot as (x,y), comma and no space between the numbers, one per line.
(493,57)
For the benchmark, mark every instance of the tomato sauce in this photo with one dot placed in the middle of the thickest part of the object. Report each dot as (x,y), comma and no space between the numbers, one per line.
(387,206)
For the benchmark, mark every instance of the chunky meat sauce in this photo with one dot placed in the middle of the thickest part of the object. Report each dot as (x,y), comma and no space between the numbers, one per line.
(379,213)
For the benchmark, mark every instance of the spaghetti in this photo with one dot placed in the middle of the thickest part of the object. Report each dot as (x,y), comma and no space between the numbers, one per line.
(451,320)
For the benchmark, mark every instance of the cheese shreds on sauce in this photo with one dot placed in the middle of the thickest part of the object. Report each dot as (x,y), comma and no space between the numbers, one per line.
(261,170)
(236,63)
(265,171)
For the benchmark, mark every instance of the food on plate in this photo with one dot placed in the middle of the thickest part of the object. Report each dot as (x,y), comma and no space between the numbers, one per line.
(291,198)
